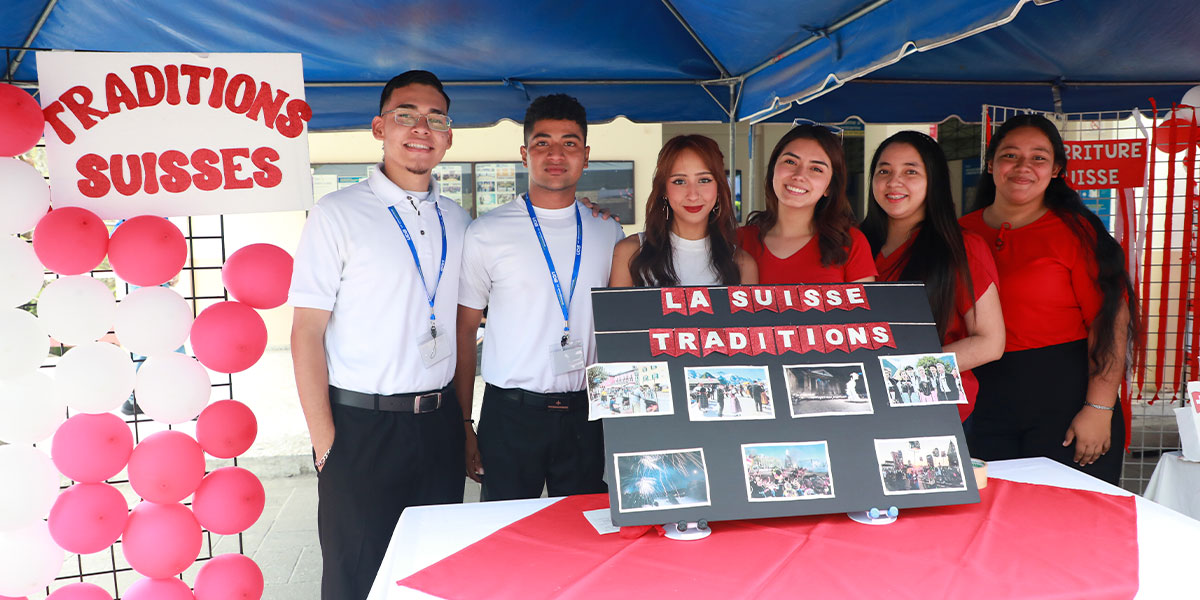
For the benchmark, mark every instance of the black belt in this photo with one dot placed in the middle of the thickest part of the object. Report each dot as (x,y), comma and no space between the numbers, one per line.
(423,402)
(564,401)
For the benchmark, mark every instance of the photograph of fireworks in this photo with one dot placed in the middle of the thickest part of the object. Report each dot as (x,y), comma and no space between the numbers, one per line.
(824,390)
(787,471)
(920,465)
(661,480)
(628,389)
(922,379)
(729,393)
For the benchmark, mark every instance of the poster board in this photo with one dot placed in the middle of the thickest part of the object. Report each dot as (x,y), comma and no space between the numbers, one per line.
(654,460)
(176,134)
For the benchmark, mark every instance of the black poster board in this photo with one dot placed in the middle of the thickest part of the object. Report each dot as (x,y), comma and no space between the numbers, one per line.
(664,468)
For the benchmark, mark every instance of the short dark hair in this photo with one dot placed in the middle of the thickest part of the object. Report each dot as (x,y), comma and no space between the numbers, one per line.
(555,107)
(408,78)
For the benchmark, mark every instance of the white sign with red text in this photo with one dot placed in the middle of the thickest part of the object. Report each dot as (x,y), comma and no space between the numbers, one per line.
(175,134)
(1106,164)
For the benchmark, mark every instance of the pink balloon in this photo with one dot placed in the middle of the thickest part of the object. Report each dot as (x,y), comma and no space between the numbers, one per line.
(161,540)
(80,591)
(70,240)
(90,448)
(3,597)
(88,517)
(21,121)
(258,275)
(166,467)
(229,577)
(229,500)
(229,337)
(167,588)
(226,429)
(147,250)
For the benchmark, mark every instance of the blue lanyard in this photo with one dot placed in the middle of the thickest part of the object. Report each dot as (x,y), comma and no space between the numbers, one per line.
(564,302)
(420,273)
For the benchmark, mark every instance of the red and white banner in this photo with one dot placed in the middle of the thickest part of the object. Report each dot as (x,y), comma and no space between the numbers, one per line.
(1106,164)
(175,134)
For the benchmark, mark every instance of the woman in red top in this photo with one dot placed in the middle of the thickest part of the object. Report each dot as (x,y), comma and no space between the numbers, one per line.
(1069,310)
(914,237)
(806,232)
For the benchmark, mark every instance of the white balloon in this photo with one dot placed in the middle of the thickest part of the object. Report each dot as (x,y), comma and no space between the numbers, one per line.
(23,343)
(95,377)
(24,196)
(29,560)
(153,320)
(1192,97)
(21,274)
(172,388)
(30,411)
(77,309)
(30,486)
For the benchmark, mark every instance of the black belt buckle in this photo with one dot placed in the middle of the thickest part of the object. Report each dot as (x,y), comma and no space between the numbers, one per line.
(558,403)
(425,403)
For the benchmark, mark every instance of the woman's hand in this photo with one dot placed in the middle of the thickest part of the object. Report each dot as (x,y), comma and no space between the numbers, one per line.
(1091,431)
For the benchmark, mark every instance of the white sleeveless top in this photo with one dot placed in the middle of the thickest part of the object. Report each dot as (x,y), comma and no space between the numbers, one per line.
(693,261)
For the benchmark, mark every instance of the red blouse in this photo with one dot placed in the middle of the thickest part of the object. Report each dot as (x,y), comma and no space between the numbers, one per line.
(804,265)
(983,276)
(1047,280)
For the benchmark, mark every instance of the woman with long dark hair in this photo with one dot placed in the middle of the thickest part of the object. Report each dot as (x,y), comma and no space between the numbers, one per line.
(690,236)
(806,233)
(1069,309)
(914,236)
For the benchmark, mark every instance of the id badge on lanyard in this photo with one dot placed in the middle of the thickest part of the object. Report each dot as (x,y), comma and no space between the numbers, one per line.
(435,344)
(567,355)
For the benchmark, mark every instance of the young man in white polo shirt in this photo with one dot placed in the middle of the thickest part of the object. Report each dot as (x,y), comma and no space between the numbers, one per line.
(375,291)
(532,263)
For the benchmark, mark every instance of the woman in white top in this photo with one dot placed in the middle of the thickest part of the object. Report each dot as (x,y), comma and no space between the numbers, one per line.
(691,236)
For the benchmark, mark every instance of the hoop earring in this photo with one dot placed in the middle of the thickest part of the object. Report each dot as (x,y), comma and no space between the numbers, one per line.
(666,208)
(716,212)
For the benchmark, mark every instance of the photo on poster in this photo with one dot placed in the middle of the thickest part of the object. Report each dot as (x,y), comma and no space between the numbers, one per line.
(827,389)
(920,465)
(661,480)
(629,389)
(785,471)
(922,379)
(719,393)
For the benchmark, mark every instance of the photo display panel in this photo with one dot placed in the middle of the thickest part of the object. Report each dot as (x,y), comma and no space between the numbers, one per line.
(746,402)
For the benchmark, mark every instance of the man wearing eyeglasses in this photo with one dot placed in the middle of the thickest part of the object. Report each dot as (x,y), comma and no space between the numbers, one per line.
(375,291)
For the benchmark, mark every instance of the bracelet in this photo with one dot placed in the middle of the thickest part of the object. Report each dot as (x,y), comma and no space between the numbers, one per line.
(1097,406)
(324,457)
(471,421)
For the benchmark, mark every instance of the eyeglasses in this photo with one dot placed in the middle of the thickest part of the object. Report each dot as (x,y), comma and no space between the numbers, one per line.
(408,118)
(837,131)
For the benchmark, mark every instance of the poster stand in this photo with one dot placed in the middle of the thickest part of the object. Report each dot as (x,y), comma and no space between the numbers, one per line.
(687,531)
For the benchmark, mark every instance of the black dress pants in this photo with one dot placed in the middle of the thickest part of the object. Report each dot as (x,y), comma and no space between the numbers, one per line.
(381,462)
(525,447)
(1026,402)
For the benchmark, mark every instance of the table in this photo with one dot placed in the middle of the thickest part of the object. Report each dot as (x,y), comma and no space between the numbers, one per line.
(1175,484)
(426,534)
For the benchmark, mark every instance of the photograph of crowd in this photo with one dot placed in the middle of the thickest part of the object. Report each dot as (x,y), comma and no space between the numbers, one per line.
(632,389)
(823,390)
(729,393)
(787,471)
(920,465)
(661,480)
(917,379)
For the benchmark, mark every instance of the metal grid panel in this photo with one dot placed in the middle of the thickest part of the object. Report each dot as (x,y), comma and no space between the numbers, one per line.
(200,284)
(1161,211)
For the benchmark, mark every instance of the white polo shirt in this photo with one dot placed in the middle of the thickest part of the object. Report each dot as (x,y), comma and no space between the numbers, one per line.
(353,261)
(505,271)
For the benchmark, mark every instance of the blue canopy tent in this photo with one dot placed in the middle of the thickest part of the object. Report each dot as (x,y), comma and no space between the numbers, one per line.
(674,60)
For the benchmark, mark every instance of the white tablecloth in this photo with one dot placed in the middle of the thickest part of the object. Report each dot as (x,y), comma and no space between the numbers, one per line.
(1175,484)
(427,534)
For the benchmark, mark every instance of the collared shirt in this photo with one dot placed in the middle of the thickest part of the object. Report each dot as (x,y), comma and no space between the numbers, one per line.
(353,261)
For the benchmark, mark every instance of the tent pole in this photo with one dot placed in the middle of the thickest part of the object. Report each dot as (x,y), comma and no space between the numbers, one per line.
(37,27)
(748,180)
(732,140)
(696,38)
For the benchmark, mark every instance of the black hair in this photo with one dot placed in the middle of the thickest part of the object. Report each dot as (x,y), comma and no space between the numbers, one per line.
(653,263)
(555,107)
(832,216)
(937,255)
(408,78)
(1111,275)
